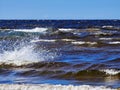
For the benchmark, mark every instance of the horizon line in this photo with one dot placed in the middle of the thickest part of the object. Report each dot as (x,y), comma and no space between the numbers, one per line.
(60,19)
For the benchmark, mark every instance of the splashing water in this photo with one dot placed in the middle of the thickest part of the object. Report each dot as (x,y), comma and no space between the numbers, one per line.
(26,54)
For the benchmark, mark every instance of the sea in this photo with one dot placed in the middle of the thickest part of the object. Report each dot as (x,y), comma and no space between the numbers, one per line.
(59,54)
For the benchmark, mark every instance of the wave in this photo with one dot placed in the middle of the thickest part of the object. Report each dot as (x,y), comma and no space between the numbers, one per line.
(66,32)
(114,42)
(55,72)
(108,27)
(50,87)
(43,40)
(68,40)
(26,32)
(89,75)
(40,30)
(25,54)
(83,42)
(105,38)
(111,71)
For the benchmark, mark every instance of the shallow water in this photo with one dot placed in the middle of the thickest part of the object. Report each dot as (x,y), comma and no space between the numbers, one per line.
(32,53)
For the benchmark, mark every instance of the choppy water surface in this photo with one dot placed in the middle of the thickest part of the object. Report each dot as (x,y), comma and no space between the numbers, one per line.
(60,52)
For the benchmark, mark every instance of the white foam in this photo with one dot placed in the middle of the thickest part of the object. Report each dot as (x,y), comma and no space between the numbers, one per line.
(66,30)
(50,87)
(82,42)
(25,55)
(111,71)
(101,33)
(78,42)
(115,42)
(43,40)
(107,26)
(105,38)
(68,40)
(40,30)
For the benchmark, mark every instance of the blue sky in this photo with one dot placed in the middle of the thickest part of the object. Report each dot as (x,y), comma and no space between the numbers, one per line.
(59,9)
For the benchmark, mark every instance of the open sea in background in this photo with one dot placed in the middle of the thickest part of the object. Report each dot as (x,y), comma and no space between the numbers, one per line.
(59,54)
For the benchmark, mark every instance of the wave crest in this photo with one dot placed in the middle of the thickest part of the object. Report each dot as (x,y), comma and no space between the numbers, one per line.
(25,55)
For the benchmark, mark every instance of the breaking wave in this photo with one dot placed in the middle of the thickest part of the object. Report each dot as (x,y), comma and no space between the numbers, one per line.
(40,30)
(25,54)
(111,71)
(51,87)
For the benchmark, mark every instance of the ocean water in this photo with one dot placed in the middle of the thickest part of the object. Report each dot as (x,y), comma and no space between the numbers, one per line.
(59,54)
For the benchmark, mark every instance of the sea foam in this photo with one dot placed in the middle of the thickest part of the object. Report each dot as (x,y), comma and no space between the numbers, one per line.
(110,71)
(43,40)
(66,30)
(50,87)
(83,42)
(114,42)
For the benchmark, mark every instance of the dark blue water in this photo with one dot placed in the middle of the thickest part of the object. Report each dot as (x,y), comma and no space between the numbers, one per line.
(20,24)
(77,52)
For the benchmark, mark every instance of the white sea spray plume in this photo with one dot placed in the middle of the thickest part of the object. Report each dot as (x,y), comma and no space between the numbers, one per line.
(25,54)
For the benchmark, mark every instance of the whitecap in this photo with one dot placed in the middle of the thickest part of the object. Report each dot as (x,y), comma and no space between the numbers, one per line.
(107,26)
(40,30)
(78,42)
(114,42)
(68,40)
(83,42)
(43,40)
(65,30)
(105,38)
(110,71)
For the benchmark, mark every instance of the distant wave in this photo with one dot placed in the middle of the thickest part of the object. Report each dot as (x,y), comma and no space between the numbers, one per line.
(43,40)
(114,42)
(40,30)
(66,32)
